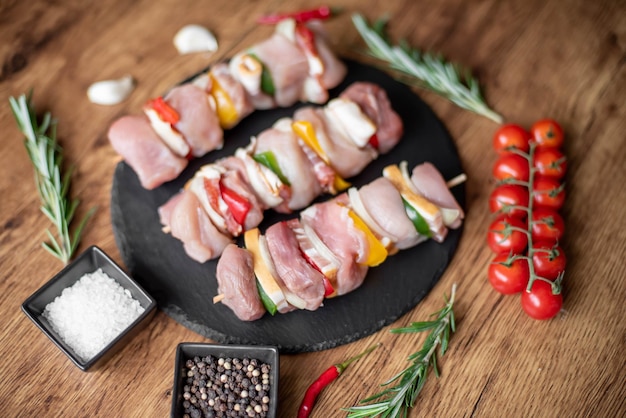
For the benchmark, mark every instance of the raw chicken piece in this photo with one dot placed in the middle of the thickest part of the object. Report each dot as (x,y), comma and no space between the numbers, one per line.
(198,122)
(334,69)
(384,204)
(334,226)
(293,163)
(430,183)
(133,138)
(235,91)
(237,283)
(235,179)
(190,224)
(345,158)
(375,104)
(287,66)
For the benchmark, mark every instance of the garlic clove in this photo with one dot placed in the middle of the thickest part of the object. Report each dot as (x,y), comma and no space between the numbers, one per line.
(110,92)
(194,38)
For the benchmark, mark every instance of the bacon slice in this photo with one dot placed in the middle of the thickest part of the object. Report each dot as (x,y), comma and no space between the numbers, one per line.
(296,273)
(133,138)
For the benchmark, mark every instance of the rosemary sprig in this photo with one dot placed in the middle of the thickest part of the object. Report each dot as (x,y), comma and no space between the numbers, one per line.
(402,390)
(53,187)
(425,70)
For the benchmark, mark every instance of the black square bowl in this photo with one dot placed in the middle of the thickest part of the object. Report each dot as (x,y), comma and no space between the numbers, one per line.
(88,262)
(187,351)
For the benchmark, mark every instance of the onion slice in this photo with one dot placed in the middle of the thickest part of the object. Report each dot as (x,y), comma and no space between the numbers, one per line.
(359,208)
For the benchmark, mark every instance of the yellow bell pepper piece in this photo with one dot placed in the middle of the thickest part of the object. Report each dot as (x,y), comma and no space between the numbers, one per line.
(226,111)
(339,184)
(378,252)
(304,129)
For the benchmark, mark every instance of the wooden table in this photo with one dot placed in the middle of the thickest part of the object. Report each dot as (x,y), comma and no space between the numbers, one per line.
(560,59)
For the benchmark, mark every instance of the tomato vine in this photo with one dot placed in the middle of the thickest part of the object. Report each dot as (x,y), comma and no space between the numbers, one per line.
(528,228)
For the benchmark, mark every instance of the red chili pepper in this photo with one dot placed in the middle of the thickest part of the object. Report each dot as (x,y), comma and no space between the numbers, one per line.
(323,12)
(165,111)
(238,205)
(324,380)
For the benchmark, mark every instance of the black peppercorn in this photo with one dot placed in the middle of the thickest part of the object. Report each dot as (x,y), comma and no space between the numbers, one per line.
(226,387)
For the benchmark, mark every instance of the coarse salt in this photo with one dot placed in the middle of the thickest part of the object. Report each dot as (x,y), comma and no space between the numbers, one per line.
(91,313)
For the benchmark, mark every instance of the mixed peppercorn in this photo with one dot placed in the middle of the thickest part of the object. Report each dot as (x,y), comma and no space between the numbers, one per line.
(226,387)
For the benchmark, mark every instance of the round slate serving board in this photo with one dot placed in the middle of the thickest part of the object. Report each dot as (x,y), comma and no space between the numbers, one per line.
(184,288)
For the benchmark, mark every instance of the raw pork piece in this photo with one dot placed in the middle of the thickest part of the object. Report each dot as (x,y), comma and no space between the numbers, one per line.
(133,138)
(334,226)
(189,223)
(295,272)
(237,283)
(373,101)
(198,122)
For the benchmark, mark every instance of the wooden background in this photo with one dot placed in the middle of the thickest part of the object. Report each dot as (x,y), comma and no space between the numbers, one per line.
(560,59)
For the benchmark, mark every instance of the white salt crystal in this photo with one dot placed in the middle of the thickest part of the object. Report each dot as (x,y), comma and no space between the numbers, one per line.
(91,313)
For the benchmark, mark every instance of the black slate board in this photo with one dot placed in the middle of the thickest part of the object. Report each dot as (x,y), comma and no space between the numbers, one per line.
(184,288)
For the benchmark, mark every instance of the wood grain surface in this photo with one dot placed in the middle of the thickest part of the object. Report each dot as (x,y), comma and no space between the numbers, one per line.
(560,59)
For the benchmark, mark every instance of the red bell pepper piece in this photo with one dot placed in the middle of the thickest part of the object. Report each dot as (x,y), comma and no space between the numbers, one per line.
(165,111)
(374,141)
(238,205)
(306,39)
(328,286)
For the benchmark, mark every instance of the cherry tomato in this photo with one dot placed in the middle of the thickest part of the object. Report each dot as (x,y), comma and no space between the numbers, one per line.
(511,136)
(550,162)
(506,234)
(547,225)
(548,260)
(508,276)
(548,193)
(511,166)
(547,133)
(541,302)
(509,199)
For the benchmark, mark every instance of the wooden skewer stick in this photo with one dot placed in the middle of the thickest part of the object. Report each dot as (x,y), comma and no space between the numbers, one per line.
(455,181)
